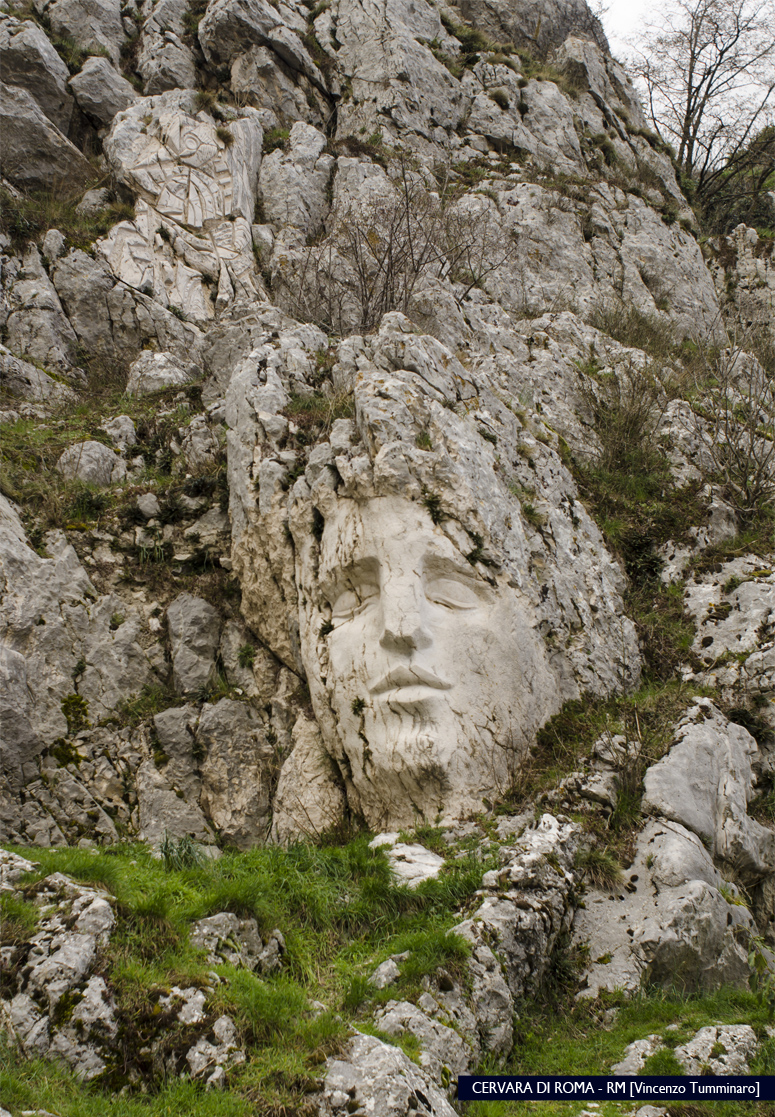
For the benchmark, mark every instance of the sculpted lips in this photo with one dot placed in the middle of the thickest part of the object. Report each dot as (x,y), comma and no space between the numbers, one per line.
(404,676)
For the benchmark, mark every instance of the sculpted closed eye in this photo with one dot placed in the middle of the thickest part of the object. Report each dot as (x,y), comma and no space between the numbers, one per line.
(454,593)
(352,600)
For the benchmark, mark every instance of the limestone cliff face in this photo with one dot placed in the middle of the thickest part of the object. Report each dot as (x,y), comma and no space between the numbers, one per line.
(371,258)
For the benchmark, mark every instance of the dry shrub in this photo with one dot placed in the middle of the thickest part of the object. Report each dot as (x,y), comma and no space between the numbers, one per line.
(379,247)
(734,416)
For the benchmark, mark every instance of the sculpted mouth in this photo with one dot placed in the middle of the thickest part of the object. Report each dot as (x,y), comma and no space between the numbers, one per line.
(403,676)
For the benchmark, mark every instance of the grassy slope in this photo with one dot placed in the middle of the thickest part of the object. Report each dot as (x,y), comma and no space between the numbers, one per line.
(341,915)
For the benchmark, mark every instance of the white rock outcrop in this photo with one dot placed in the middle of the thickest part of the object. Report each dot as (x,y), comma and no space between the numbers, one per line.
(195,184)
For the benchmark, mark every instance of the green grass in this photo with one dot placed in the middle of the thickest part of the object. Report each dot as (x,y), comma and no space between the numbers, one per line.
(18,919)
(313,415)
(340,912)
(35,1084)
(582,1039)
(30,449)
(27,217)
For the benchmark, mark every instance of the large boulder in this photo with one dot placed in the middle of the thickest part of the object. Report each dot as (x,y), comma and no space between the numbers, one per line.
(37,326)
(673,919)
(33,152)
(92,462)
(705,782)
(93,25)
(113,320)
(237,771)
(164,812)
(154,371)
(28,59)
(101,91)
(294,186)
(195,629)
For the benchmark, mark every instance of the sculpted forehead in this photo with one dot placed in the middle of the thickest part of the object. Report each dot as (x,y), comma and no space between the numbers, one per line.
(380,527)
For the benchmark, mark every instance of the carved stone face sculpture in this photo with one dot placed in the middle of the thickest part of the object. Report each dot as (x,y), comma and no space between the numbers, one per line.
(435,677)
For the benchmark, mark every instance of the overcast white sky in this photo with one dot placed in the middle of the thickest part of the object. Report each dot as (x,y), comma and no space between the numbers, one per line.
(622,19)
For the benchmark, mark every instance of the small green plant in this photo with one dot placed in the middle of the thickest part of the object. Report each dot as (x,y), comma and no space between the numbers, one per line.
(432,502)
(193,15)
(488,436)
(500,97)
(274,138)
(423,440)
(533,516)
(65,752)
(478,553)
(246,655)
(18,919)
(116,620)
(225,135)
(76,711)
(326,629)
(663,1061)
(206,100)
(358,705)
(179,853)
(600,867)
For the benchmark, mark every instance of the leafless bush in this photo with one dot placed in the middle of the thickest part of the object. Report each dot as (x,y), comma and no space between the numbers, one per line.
(379,247)
(627,405)
(734,414)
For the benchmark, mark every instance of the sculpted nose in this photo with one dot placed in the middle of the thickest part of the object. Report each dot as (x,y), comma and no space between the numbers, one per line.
(404,625)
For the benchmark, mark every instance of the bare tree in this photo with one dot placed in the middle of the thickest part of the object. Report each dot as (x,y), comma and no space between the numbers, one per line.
(380,246)
(733,417)
(709,71)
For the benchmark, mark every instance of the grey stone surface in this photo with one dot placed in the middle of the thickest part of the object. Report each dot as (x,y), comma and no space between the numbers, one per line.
(220,1050)
(175,731)
(94,25)
(411,863)
(294,185)
(236,771)
(236,942)
(194,627)
(113,320)
(101,91)
(36,325)
(93,462)
(122,430)
(380,1079)
(25,381)
(163,812)
(28,60)
(164,61)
